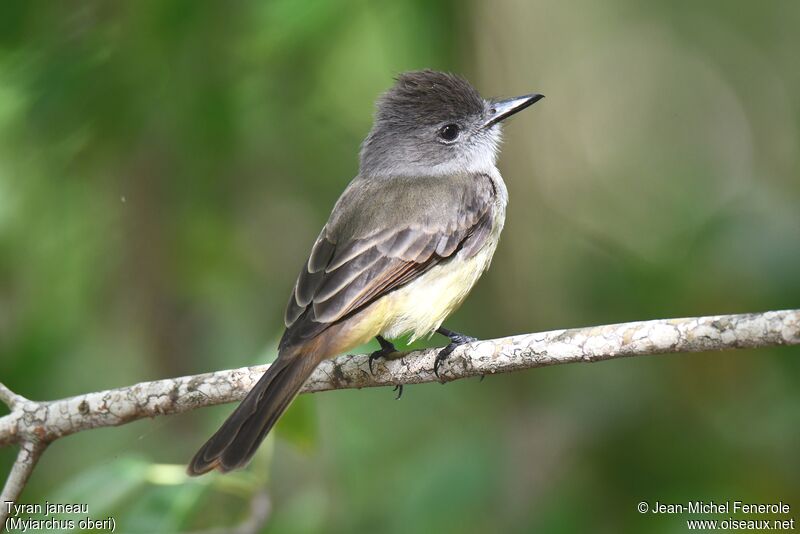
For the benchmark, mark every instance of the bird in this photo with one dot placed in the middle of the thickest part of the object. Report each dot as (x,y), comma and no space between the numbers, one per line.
(404,244)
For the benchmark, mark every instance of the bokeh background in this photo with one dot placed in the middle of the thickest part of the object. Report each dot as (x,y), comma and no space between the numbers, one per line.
(166,165)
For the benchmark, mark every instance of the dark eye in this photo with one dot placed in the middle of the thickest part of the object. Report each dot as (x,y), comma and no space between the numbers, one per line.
(449,132)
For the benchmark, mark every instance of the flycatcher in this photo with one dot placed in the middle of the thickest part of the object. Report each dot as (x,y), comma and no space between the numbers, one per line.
(405,243)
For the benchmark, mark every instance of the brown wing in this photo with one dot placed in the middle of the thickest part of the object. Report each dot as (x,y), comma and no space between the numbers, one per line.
(342,276)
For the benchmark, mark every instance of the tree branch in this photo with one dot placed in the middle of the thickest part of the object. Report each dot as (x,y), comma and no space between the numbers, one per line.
(35,424)
(28,456)
(9,398)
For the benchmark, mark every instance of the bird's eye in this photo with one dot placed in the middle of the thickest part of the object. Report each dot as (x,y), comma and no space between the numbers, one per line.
(449,132)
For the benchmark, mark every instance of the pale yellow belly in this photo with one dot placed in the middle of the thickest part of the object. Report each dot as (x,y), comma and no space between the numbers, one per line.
(420,307)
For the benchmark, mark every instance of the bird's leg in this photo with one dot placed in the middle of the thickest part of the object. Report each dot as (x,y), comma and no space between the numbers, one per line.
(456,339)
(386,349)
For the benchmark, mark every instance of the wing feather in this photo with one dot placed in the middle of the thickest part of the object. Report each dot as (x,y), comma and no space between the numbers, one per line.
(338,279)
(321,254)
(345,273)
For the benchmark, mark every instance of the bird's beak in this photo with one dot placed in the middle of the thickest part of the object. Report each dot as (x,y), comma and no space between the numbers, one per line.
(503,109)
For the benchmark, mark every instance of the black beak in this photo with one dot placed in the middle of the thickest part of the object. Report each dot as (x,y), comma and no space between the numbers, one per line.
(505,108)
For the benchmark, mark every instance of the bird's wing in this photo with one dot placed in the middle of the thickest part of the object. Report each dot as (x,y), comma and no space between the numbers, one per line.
(382,235)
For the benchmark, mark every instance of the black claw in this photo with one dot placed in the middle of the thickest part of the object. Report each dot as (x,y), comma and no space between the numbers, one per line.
(399,389)
(456,339)
(386,349)
(482,377)
(442,356)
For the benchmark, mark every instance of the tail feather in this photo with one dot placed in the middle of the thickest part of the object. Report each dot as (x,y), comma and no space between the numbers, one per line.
(238,438)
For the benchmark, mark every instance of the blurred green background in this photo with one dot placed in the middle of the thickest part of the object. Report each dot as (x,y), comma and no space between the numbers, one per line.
(166,165)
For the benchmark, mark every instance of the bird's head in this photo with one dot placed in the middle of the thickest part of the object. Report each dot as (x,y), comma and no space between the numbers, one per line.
(433,122)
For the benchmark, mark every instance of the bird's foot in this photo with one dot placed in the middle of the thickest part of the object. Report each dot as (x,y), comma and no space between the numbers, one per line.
(386,349)
(456,339)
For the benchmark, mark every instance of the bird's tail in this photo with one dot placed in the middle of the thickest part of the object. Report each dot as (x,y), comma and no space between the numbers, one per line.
(240,435)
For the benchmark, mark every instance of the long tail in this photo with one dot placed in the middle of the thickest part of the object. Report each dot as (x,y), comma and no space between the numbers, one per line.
(240,435)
